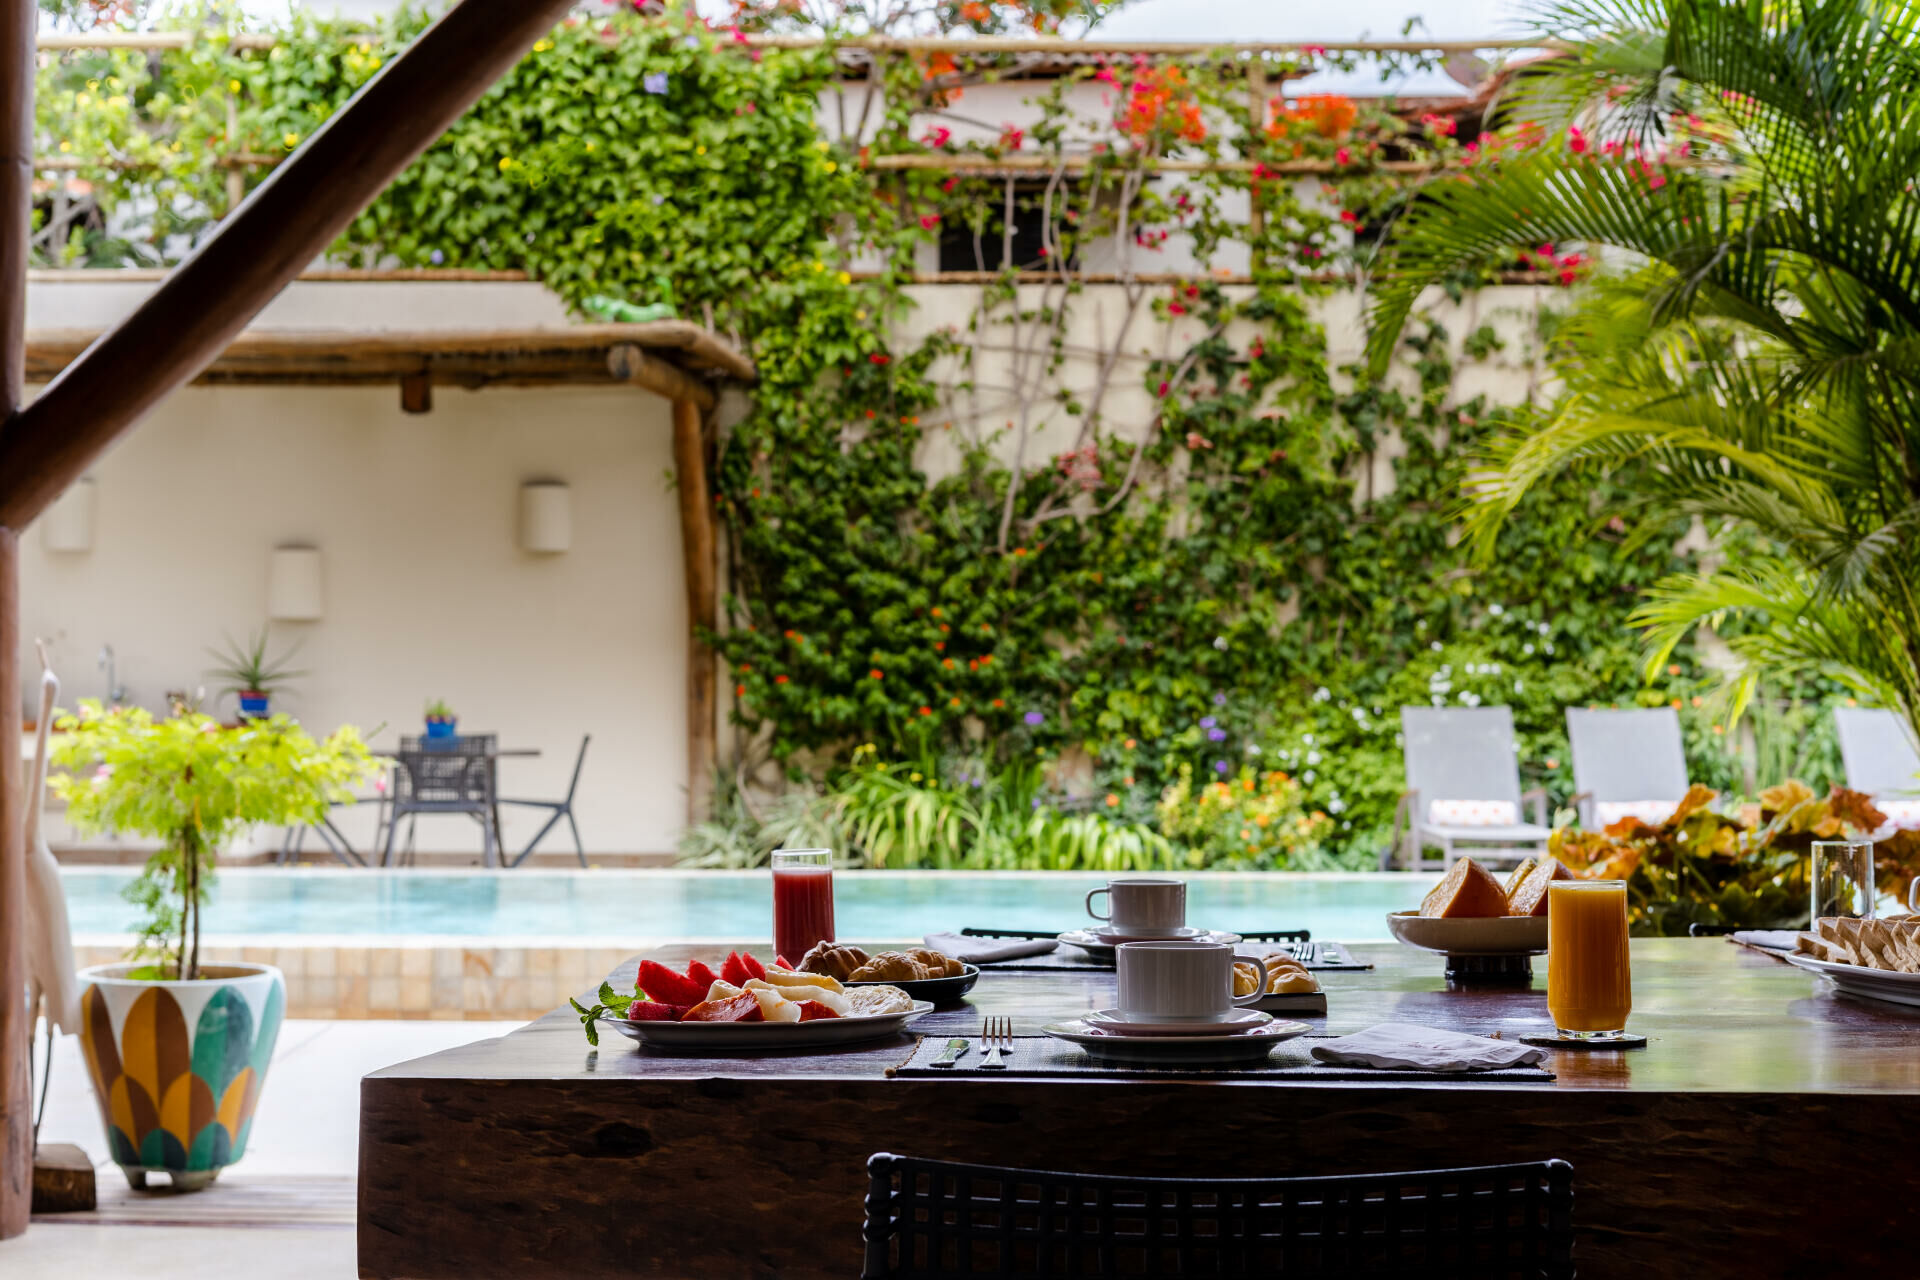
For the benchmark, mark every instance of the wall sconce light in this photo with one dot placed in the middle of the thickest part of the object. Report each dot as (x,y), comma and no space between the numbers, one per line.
(546,517)
(68,523)
(293,585)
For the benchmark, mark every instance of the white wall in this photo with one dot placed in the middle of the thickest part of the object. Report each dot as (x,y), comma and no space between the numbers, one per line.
(427,592)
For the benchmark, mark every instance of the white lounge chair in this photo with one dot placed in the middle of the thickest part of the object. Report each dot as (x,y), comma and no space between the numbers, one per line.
(1463,788)
(1626,764)
(1880,760)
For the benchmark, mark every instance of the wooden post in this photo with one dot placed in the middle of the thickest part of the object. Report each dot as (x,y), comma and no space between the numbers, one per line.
(18,19)
(697,552)
(1256,125)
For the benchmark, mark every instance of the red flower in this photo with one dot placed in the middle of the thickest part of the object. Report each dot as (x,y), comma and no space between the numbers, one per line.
(876,674)
(938,645)
(779,679)
(878,357)
(926,711)
(999,702)
(928,221)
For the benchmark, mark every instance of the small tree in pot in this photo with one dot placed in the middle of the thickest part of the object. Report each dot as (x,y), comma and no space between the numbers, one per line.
(178,1050)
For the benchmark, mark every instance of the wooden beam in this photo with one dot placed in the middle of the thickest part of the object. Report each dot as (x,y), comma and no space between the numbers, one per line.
(697,545)
(416,392)
(18,20)
(279,229)
(629,363)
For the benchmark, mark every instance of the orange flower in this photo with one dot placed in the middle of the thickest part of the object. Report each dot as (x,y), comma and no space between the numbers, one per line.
(1331,115)
(926,711)
(999,702)
(876,674)
(1113,801)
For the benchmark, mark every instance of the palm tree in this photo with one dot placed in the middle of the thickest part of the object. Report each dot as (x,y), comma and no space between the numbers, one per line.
(1753,352)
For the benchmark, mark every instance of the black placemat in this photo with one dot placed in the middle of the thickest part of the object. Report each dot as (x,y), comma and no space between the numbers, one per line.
(1315,955)
(1047,1058)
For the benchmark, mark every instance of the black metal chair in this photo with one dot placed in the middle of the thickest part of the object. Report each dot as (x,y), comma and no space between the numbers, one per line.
(561,809)
(443,775)
(933,1220)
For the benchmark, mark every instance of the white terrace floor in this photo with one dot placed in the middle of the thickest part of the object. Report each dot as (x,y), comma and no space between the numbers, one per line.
(285,1212)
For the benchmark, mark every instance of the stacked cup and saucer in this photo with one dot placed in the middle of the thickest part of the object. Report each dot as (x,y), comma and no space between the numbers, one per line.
(1176,1006)
(1139,909)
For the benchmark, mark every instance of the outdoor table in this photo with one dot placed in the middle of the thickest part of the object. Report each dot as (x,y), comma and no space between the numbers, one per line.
(493,759)
(1768,1129)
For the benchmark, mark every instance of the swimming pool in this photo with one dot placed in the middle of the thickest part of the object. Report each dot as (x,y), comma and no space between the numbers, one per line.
(582,907)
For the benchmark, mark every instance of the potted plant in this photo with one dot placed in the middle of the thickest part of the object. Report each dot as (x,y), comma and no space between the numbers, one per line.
(251,676)
(441,721)
(178,1050)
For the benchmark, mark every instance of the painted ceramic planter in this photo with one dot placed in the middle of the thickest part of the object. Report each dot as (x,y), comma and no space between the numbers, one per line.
(177,1066)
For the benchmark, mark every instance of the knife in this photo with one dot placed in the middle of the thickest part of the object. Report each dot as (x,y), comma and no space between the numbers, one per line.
(951,1055)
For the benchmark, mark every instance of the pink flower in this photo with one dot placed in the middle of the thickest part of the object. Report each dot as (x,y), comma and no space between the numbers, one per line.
(1163,391)
(929,221)
(1576,141)
(938,137)
(1011,138)
(1343,156)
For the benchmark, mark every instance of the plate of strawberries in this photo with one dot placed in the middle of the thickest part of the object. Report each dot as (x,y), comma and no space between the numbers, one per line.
(747,1005)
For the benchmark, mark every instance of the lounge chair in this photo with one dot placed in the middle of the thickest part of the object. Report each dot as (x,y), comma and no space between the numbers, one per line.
(1880,760)
(1626,764)
(1463,788)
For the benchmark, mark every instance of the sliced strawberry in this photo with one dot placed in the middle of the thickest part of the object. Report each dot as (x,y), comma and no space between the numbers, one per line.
(668,987)
(811,1009)
(735,972)
(701,975)
(651,1011)
(755,968)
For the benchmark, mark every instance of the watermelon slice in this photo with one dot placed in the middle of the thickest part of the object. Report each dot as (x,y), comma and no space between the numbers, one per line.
(668,987)
(811,1009)
(755,968)
(702,975)
(735,971)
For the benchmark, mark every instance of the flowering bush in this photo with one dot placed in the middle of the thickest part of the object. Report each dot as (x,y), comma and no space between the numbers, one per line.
(1255,818)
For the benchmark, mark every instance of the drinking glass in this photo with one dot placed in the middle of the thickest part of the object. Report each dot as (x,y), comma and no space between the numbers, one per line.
(802,901)
(1843,878)
(1589,979)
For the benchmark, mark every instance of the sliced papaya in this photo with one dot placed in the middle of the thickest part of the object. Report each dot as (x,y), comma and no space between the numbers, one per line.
(811,1009)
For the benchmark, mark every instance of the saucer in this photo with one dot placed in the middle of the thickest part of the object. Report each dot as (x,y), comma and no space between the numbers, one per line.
(1100,950)
(1114,935)
(1231,1047)
(1237,1022)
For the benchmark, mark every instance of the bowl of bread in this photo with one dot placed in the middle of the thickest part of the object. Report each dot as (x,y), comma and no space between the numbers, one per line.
(921,972)
(1472,913)
(1284,983)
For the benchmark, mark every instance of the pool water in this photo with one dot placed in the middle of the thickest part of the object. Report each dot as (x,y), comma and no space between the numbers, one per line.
(585,906)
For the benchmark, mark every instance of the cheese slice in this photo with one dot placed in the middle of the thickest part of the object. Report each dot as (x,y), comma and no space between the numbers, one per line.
(834,1000)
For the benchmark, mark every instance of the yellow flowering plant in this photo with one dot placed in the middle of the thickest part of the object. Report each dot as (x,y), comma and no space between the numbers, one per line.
(1259,818)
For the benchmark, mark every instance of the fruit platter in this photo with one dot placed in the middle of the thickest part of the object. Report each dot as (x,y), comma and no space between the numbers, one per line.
(747,1005)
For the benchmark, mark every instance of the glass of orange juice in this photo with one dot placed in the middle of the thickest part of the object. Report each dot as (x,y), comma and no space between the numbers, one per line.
(1589,984)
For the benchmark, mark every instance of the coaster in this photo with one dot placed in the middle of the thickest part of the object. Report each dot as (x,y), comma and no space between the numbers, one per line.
(1554,1041)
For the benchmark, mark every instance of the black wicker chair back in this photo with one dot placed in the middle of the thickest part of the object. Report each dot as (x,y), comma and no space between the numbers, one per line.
(932,1220)
(450,771)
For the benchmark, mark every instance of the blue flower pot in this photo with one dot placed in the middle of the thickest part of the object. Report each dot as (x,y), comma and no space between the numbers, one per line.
(440,729)
(253,706)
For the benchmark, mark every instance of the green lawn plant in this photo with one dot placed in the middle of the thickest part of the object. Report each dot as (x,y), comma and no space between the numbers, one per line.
(247,669)
(194,785)
(1753,357)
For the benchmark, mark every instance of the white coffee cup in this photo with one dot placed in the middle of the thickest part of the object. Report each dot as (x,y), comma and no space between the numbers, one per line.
(1142,905)
(1913,896)
(1179,981)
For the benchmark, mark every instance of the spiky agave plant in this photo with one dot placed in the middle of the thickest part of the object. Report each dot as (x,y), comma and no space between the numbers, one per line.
(1754,352)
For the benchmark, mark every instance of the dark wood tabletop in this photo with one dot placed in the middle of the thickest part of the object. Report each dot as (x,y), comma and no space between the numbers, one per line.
(1722,1148)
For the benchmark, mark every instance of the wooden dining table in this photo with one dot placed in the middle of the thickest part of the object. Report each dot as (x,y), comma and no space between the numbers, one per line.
(1770,1128)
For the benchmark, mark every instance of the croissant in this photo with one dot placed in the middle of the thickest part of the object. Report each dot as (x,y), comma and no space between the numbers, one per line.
(836,960)
(939,964)
(892,966)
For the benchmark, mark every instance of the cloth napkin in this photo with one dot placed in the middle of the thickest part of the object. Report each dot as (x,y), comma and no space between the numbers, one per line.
(1403,1045)
(987,950)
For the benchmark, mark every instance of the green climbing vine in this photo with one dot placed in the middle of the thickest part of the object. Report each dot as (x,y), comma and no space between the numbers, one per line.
(1110,541)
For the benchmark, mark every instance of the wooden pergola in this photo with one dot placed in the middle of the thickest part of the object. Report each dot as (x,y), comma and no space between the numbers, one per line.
(187,324)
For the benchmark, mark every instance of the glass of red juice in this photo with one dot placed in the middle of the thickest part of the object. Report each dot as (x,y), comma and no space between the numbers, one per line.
(802,901)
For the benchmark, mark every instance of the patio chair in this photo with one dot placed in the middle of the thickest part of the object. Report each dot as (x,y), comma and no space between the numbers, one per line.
(1880,760)
(443,775)
(562,808)
(1463,788)
(929,1219)
(1626,764)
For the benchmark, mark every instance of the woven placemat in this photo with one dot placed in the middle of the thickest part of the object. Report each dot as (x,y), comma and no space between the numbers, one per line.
(1315,955)
(1044,1056)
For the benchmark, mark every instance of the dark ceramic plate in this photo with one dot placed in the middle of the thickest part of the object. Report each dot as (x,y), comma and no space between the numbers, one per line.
(938,990)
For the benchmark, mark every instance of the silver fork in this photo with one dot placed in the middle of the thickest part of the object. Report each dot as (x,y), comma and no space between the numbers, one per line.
(998,1036)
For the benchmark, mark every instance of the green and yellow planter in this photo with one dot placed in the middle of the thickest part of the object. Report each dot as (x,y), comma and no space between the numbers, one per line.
(177,1066)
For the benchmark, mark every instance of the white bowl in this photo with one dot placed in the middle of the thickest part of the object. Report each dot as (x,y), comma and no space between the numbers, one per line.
(1481,936)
